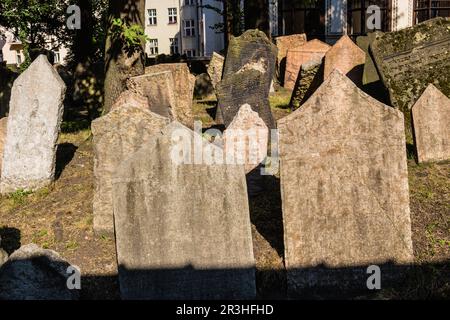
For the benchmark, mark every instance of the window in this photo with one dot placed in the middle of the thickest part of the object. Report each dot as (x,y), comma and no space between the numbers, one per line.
(189,28)
(303,17)
(172,15)
(153,45)
(428,9)
(18,57)
(57,57)
(174,46)
(189,2)
(152,17)
(189,53)
(357,16)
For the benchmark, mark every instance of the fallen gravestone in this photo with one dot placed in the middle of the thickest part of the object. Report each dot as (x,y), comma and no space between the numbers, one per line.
(158,88)
(310,51)
(431,119)
(204,88)
(183,84)
(117,135)
(182,231)
(346,57)
(3,123)
(35,115)
(284,44)
(215,68)
(306,76)
(344,183)
(248,74)
(32,273)
(410,59)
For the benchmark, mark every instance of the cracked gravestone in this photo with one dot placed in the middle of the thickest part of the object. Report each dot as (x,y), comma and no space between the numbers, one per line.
(215,68)
(410,59)
(182,230)
(310,51)
(115,136)
(248,74)
(158,88)
(431,119)
(344,183)
(35,116)
(183,85)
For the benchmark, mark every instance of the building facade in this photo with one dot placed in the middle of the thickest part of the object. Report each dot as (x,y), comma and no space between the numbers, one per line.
(330,19)
(183,27)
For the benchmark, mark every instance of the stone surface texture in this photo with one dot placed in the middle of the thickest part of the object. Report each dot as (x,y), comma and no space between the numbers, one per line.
(115,137)
(3,127)
(35,116)
(307,74)
(182,230)
(344,185)
(431,118)
(215,68)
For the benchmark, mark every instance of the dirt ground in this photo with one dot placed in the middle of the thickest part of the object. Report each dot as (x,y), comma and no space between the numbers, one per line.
(60,218)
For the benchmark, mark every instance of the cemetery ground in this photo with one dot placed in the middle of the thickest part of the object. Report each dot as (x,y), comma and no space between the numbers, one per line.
(60,218)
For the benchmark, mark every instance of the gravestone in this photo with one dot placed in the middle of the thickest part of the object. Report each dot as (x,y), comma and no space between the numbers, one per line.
(344,183)
(346,57)
(215,68)
(182,231)
(310,51)
(431,118)
(204,88)
(285,43)
(131,98)
(35,115)
(183,84)
(248,74)
(115,136)
(305,79)
(410,59)
(158,88)
(3,123)
(370,74)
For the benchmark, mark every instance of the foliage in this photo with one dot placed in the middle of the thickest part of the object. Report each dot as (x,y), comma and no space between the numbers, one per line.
(132,36)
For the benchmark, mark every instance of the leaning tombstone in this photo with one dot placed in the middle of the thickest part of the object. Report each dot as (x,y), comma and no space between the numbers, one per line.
(215,68)
(346,57)
(115,136)
(35,116)
(183,84)
(344,184)
(182,231)
(410,59)
(248,74)
(310,51)
(305,80)
(431,123)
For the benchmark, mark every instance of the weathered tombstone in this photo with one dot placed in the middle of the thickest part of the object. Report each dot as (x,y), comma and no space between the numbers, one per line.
(183,84)
(306,76)
(312,50)
(131,98)
(285,43)
(346,57)
(32,273)
(344,183)
(35,115)
(158,88)
(183,230)
(3,123)
(410,59)
(117,135)
(370,74)
(431,119)
(215,68)
(248,74)
(204,88)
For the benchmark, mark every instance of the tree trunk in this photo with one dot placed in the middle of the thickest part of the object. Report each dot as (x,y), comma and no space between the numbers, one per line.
(120,64)
(256,14)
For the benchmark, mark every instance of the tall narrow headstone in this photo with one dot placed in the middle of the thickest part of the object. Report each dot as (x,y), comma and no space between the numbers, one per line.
(182,230)
(346,57)
(215,68)
(117,135)
(344,183)
(308,72)
(431,118)
(183,84)
(158,88)
(35,116)
(312,50)
(248,74)
(410,59)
